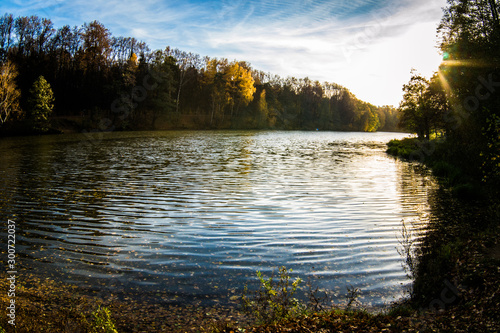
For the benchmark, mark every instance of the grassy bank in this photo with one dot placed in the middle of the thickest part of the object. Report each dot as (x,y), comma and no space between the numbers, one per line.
(448,167)
(45,305)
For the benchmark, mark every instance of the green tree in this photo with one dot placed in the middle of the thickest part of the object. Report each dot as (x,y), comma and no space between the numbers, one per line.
(470,28)
(437,104)
(187,63)
(160,100)
(41,103)
(371,121)
(389,118)
(470,42)
(263,111)
(213,77)
(9,94)
(417,112)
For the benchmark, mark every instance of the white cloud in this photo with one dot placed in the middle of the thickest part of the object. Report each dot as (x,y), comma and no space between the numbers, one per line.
(372,56)
(368,46)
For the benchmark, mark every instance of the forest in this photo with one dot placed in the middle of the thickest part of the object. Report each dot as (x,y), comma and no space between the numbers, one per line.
(105,83)
(458,107)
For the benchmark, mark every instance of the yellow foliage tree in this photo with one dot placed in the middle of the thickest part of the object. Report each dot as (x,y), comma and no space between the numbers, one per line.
(133,61)
(240,85)
(130,71)
(231,85)
(9,94)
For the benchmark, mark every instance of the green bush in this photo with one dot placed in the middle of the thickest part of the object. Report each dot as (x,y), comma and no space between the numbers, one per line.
(274,300)
(102,322)
(404,148)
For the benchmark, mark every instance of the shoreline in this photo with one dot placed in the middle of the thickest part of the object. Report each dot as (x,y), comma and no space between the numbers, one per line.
(79,124)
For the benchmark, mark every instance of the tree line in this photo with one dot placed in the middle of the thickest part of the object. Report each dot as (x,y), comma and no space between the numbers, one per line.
(94,75)
(460,102)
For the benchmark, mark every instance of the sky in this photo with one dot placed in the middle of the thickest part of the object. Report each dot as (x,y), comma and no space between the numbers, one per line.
(367,46)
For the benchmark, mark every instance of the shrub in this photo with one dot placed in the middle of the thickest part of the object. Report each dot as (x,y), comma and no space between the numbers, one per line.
(274,300)
(102,322)
(404,148)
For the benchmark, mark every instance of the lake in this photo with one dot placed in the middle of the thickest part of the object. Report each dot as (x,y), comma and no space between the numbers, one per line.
(193,215)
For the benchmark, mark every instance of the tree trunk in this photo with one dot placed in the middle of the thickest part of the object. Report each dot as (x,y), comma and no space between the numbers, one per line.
(177,101)
(181,82)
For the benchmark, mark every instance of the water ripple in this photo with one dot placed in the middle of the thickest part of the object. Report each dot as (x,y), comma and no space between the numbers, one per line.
(183,212)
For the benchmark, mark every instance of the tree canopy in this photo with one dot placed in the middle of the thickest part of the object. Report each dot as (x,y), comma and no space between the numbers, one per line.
(462,99)
(120,82)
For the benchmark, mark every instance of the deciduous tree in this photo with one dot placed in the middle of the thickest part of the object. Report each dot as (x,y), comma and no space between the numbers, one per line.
(414,108)
(159,100)
(96,46)
(9,94)
(41,104)
(6,35)
(240,86)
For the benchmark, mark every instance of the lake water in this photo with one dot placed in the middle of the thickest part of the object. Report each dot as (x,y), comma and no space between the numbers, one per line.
(194,215)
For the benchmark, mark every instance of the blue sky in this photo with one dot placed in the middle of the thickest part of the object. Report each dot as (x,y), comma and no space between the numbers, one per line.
(367,46)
